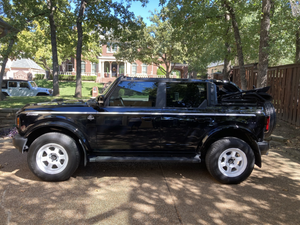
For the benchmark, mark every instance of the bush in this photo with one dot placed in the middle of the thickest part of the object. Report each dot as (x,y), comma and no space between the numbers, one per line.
(160,72)
(39,76)
(73,78)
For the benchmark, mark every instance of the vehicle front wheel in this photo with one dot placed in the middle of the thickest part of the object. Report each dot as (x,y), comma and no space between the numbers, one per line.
(230,160)
(53,157)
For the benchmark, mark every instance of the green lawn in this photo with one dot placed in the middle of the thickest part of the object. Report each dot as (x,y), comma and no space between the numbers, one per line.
(66,91)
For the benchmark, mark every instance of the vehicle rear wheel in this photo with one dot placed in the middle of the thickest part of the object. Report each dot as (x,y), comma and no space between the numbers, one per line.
(230,160)
(53,157)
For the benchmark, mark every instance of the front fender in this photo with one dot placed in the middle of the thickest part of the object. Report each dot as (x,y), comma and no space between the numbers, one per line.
(72,129)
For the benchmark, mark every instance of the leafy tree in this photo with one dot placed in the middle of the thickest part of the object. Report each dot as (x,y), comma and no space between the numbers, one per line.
(154,44)
(15,22)
(264,43)
(96,17)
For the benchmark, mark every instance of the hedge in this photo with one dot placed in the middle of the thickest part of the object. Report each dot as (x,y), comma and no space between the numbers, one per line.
(66,77)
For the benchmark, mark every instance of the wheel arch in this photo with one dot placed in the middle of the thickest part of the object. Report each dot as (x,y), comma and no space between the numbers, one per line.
(63,128)
(241,133)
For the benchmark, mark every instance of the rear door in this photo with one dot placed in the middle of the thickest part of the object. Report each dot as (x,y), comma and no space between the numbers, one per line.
(182,121)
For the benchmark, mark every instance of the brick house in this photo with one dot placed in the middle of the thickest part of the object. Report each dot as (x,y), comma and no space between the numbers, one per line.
(108,68)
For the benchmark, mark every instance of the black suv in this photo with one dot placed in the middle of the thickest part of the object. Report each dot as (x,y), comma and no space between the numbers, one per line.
(150,120)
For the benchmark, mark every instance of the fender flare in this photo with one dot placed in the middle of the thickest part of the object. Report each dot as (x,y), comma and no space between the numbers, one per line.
(82,140)
(239,132)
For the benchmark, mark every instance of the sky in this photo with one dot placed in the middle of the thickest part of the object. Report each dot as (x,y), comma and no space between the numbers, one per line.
(138,10)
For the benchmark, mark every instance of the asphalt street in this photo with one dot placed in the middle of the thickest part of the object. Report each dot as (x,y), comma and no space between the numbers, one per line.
(149,193)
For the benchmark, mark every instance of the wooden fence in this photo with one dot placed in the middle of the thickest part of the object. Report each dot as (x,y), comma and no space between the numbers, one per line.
(285,89)
(7,117)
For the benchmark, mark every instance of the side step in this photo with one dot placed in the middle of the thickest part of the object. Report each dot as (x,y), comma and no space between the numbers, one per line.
(196,159)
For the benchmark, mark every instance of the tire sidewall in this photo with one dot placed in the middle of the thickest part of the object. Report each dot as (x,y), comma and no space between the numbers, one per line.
(217,148)
(67,143)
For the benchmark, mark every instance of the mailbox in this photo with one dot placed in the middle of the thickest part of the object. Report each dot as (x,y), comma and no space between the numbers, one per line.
(95,92)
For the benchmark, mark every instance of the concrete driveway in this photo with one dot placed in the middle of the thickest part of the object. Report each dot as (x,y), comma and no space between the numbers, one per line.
(151,193)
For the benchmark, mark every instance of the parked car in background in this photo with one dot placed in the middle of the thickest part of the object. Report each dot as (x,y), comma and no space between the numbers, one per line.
(150,120)
(23,88)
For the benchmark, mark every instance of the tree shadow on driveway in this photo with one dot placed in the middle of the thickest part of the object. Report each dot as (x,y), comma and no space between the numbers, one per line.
(149,193)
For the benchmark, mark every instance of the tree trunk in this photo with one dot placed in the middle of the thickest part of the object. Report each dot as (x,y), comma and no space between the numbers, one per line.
(264,44)
(227,61)
(5,59)
(297,56)
(238,45)
(54,48)
(78,90)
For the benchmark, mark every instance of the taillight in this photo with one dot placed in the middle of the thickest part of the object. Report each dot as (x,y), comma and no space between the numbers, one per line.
(18,122)
(268,124)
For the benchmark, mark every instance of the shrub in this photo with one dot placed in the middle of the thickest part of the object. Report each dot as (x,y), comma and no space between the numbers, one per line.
(39,76)
(73,78)
(160,71)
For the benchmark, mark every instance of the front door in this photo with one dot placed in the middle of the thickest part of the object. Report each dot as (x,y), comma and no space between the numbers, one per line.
(130,120)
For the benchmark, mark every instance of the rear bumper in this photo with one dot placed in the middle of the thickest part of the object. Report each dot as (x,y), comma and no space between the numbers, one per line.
(19,142)
(263,147)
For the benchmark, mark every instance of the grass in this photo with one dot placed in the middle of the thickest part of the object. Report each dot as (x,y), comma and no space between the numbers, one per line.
(66,91)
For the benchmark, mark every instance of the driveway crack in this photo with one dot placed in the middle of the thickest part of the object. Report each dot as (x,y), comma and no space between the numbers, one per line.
(7,212)
(172,196)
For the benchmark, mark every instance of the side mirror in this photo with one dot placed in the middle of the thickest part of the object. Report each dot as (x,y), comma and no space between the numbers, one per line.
(100,100)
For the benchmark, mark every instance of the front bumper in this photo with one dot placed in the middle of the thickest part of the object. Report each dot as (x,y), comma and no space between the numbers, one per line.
(263,147)
(19,142)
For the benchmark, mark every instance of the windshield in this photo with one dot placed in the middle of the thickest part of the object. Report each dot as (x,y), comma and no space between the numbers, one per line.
(33,84)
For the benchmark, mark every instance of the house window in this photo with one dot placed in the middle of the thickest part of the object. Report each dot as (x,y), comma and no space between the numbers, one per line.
(134,68)
(106,67)
(144,68)
(70,67)
(121,68)
(82,66)
(111,47)
(94,68)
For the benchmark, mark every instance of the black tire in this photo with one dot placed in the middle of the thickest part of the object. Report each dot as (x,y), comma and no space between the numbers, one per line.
(270,111)
(42,94)
(230,160)
(53,157)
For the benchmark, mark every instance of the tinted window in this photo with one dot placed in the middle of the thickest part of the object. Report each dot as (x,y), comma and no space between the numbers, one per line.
(12,84)
(24,85)
(185,94)
(136,94)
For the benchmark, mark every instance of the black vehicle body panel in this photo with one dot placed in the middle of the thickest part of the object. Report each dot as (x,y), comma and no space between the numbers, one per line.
(157,131)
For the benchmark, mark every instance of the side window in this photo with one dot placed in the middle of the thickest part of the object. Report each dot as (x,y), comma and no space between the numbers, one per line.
(12,84)
(186,94)
(24,85)
(135,94)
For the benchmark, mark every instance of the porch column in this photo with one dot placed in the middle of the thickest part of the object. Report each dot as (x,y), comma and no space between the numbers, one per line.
(110,69)
(102,69)
(99,67)
(118,74)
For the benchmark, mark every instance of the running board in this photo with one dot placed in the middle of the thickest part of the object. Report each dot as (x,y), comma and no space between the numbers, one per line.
(196,159)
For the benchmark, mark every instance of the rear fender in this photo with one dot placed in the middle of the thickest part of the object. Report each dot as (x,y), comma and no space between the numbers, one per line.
(231,131)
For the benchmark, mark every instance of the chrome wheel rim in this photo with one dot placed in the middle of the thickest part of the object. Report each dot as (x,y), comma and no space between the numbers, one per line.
(232,162)
(52,158)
